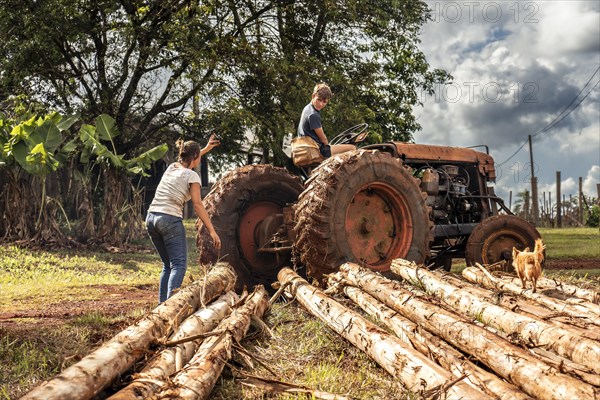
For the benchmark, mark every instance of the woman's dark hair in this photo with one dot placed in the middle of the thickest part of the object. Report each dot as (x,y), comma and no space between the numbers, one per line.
(188,151)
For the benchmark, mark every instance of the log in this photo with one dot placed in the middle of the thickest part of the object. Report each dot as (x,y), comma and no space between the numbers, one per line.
(563,342)
(526,307)
(170,360)
(197,379)
(88,377)
(589,312)
(590,295)
(435,348)
(510,362)
(415,371)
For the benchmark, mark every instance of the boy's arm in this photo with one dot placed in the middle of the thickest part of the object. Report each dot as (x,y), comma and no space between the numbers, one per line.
(321,135)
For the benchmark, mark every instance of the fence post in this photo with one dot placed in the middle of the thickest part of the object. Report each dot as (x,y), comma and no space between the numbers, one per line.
(558,202)
(581,200)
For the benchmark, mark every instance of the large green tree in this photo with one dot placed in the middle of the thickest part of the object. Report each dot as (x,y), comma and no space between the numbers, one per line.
(244,68)
(241,66)
(367,51)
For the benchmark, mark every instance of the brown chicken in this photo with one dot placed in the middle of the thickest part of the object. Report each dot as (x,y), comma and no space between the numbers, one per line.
(528,264)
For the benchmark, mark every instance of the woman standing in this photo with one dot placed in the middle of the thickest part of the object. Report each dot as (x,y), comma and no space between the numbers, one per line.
(164,221)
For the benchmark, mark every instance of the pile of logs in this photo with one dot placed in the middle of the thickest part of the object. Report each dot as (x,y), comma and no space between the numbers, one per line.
(478,336)
(183,366)
(456,339)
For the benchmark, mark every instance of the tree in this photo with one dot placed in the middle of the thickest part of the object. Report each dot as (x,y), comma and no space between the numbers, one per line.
(35,147)
(238,65)
(165,69)
(368,52)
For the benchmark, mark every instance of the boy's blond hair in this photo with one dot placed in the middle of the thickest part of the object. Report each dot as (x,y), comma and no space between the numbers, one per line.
(322,91)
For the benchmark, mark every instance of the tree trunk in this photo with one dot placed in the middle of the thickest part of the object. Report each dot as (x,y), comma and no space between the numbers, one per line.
(510,362)
(583,310)
(569,290)
(435,348)
(414,370)
(94,372)
(527,308)
(565,343)
(121,219)
(171,359)
(197,379)
(18,211)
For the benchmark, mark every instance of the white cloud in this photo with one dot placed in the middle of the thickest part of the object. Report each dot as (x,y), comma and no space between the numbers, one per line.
(514,74)
(591,181)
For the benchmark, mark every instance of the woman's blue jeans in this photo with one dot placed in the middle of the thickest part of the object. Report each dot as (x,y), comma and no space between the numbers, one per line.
(168,236)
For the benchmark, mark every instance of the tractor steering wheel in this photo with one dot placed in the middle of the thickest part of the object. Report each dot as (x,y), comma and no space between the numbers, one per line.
(349,135)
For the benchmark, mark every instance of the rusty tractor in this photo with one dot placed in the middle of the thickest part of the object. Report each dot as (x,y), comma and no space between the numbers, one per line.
(424,203)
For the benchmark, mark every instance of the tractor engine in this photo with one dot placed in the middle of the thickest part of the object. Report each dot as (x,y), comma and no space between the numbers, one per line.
(448,195)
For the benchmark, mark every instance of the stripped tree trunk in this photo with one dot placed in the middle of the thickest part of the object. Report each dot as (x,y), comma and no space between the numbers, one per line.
(197,379)
(510,362)
(535,311)
(435,348)
(564,342)
(527,308)
(584,310)
(89,376)
(172,359)
(416,372)
(590,295)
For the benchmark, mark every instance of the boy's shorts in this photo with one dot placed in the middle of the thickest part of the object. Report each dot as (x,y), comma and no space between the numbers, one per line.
(325,150)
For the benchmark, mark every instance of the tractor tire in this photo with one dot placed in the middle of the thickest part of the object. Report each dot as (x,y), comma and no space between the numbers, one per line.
(237,205)
(493,239)
(362,206)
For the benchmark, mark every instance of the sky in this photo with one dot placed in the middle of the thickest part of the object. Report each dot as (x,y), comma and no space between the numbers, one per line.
(519,68)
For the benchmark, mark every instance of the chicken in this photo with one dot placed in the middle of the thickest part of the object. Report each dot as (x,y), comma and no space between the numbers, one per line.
(528,264)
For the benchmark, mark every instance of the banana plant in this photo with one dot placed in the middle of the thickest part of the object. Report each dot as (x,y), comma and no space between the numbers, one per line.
(105,131)
(37,146)
(119,217)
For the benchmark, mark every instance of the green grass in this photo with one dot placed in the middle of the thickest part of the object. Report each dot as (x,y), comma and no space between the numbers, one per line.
(571,242)
(24,362)
(303,350)
(44,277)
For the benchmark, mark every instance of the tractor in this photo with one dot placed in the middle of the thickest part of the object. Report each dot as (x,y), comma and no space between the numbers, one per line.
(424,203)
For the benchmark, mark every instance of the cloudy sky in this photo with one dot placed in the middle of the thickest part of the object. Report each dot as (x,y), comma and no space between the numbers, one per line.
(520,68)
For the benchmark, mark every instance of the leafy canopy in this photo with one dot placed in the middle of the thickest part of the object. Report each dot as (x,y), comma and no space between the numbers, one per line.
(162,69)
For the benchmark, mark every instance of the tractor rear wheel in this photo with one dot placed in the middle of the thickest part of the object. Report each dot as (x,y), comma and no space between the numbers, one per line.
(493,239)
(361,206)
(246,209)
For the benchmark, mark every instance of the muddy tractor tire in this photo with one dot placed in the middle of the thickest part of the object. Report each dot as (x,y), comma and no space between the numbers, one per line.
(364,207)
(492,241)
(245,206)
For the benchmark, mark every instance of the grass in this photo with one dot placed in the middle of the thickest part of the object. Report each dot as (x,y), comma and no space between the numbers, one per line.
(571,243)
(303,351)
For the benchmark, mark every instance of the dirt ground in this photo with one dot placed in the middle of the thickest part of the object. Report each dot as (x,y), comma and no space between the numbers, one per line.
(572,264)
(116,300)
(120,299)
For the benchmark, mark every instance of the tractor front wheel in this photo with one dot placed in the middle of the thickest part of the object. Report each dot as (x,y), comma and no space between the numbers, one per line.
(493,239)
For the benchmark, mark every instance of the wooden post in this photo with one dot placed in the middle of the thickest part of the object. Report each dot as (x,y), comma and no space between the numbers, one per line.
(580,200)
(558,202)
(534,192)
(569,207)
(526,205)
(545,212)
